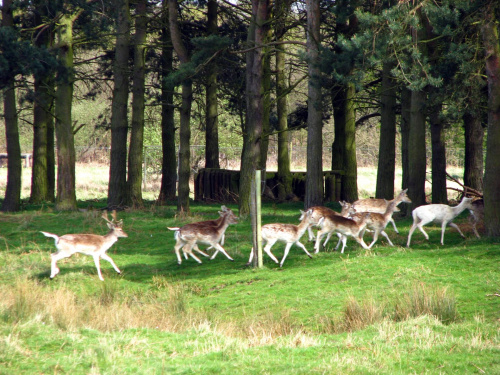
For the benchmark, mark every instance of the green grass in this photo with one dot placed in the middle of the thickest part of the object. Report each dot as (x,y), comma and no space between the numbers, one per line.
(392,310)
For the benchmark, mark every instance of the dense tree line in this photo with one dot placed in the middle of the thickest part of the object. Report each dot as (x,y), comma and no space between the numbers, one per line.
(416,67)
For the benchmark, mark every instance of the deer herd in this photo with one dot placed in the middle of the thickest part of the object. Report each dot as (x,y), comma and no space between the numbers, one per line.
(353,221)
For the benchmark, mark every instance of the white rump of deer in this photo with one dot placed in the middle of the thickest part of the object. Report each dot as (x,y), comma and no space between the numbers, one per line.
(438,213)
(476,215)
(380,205)
(210,232)
(345,227)
(288,233)
(88,244)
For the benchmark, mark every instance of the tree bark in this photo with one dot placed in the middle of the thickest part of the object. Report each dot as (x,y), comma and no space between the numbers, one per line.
(185,113)
(12,199)
(439,192)
(387,144)
(43,169)
(284,173)
(65,141)
(252,131)
(136,150)
(212,115)
(314,178)
(405,143)
(119,120)
(169,158)
(417,150)
(474,154)
(491,41)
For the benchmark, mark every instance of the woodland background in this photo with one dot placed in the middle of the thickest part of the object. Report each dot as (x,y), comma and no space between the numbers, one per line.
(125,74)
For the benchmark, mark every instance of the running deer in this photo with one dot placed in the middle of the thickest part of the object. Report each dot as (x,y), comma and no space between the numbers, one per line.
(88,244)
(476,215)
(380,205)
(288,233)
(205,232)
(319,212)
(438,213)
(377,222)
(345,227)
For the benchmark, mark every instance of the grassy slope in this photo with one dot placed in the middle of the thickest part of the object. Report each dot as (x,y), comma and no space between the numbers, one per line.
(220,317)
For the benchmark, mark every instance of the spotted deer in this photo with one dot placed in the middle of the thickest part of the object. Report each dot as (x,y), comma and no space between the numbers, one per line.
(476,215)
(377,222)
(345,227)
(190,235)
(380,205)
(287,233)
(319,212)
(88,244)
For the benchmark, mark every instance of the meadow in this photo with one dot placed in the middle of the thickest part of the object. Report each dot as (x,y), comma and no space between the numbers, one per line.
(427,309)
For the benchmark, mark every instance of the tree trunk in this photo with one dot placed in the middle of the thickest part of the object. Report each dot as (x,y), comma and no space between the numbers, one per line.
(185,113)
(338,94)
(43,169)
(65,141)
(387,144)
(212,115)
(491,42)
(169,164)
(119,121)
(135,157)
(405,143)
(184,147)
(350,179)
(473,163)
(416,150)
(314,177)
(252,131)
(439,192)
(12,199)
(284,175)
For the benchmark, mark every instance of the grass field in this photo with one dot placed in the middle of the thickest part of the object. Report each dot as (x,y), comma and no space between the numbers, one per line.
(428,309)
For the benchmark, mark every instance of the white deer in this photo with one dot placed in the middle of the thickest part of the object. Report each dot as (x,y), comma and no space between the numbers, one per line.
(438,213)
(288,233)
(380,205)
(88,244)
(190,235)
(345,227)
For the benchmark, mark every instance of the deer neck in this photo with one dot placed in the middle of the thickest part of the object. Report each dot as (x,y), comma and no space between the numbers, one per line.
(457,210)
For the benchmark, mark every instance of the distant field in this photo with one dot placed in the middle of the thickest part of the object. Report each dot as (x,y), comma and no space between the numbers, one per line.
(92,182)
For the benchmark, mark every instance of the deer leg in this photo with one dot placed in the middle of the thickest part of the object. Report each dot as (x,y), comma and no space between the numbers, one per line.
(375,238)
(361,242)
(54,270)
(339,241)
(197,249)
(189,250)
(344,241)
(311,233)
(98,266)
(301,245)
(317,245)
(218,247)
(287,249)
(178,246)
(108,258)
(457,228)
(328,236)
(394,225)
(387,237)
(267,249)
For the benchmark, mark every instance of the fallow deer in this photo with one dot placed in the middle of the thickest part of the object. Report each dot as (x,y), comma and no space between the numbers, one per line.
(288,233)
(438,213)
(345,227)
(88,244)
(380,205)
(190,235)
(476,215)
(377,222)
(319,212)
